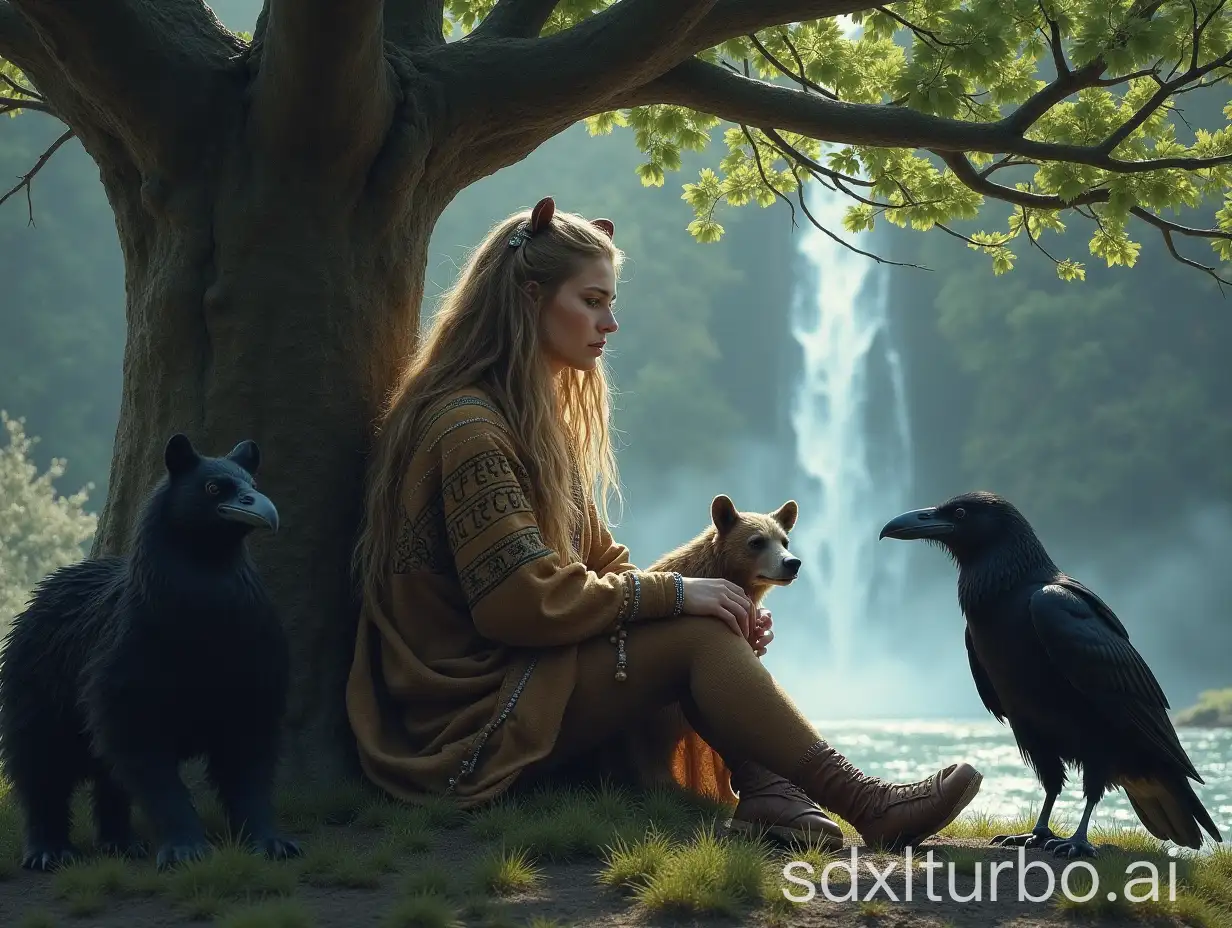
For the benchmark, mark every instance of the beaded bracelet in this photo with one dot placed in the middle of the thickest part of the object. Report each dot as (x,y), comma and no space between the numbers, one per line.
(627,611)
(679,605)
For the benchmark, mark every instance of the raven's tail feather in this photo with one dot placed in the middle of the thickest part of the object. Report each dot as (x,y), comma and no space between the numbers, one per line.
(1170,810)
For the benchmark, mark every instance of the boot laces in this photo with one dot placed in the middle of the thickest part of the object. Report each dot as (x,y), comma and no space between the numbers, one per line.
(891,793)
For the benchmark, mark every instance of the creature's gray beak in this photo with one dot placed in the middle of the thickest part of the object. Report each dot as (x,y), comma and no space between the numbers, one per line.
(251,508)
(918,523)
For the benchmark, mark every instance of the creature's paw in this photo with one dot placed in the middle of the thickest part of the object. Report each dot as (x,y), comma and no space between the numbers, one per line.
(1033,838)
(131,848)
(1070,848)
(180,852)
(46,859)
(277,848)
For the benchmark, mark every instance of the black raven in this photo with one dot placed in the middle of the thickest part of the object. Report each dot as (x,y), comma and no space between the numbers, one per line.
(1052,658)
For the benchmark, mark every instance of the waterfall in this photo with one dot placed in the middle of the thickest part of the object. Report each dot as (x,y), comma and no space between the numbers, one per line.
(854,452)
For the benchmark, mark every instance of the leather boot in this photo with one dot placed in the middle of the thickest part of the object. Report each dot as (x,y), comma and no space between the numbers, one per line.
(771,805)
(891,815)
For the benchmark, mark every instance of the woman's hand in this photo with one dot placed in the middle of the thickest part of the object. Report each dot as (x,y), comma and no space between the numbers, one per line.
(722,600)
(762,633)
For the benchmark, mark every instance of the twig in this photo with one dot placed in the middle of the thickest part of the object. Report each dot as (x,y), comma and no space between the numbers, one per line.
(1167,228)
(762,171)
(927,36)
(801,78)
(38,166)
(817,225)
(1026,227)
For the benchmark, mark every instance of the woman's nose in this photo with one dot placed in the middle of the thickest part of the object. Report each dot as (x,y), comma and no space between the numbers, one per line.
(608,323)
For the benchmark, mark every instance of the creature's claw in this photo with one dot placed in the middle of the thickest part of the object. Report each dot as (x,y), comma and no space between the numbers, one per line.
(277,848)
(47,859)
(171,854)
(1033,838)
(1070,847)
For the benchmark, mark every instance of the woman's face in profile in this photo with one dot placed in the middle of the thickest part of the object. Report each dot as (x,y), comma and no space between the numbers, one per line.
(575,323)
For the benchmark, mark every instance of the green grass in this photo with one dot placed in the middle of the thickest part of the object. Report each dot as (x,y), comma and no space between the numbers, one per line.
(659,850)
(276,913)
(507,871)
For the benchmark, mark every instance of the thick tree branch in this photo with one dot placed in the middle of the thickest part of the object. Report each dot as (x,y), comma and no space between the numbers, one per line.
(20,44)
(144,65)
(323,89)
(711,89)
(415,23)
(516,19)
(13,104)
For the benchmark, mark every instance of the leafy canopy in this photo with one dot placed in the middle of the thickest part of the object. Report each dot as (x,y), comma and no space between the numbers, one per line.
(1105,76)
(971,60)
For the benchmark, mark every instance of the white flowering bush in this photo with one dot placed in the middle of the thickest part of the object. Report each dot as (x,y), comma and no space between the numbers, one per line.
(40,531)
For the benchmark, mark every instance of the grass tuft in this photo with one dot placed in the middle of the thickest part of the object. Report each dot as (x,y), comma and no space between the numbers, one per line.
(273,913)
(335,862)
(505,872)
(709,875)
(230,873)
(424,911)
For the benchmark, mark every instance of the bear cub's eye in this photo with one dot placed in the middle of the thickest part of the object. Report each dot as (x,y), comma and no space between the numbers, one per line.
(212,488)
(757,542)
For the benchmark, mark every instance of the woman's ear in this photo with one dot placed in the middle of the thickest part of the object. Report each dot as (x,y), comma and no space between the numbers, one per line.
(531,289)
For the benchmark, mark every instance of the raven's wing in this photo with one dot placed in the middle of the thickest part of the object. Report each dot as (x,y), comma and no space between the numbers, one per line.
(983,685)
(1090,646)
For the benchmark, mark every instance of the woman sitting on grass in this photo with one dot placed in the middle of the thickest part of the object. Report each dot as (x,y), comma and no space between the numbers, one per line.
(503,632)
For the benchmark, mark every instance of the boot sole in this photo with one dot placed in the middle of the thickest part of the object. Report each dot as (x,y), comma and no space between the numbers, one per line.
(785,835)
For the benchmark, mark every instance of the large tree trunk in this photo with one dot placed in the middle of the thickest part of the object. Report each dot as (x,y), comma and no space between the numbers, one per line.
(273,310)
(274,203)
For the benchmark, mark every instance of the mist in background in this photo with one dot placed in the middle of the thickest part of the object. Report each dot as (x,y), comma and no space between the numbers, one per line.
(776,364)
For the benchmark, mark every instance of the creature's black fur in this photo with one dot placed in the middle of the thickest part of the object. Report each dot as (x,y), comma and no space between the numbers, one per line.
(122,667)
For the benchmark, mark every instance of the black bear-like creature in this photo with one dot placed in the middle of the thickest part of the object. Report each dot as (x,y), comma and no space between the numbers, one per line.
(122,667)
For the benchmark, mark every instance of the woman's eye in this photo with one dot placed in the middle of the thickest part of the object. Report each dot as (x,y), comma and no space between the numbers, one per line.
(592,302)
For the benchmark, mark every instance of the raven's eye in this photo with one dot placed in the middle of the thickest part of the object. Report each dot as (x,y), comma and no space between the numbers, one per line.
(959,513)
(212,488)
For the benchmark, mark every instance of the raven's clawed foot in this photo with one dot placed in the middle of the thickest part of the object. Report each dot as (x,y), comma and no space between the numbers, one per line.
(1070,848)
(46,859)
(277,848)
(183,852)
(1036,837)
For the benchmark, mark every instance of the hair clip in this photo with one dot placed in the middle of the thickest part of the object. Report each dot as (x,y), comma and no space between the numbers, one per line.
(540,216)
(606,226)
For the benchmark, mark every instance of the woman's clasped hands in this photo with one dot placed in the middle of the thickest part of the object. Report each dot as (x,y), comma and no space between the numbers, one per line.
(727,602)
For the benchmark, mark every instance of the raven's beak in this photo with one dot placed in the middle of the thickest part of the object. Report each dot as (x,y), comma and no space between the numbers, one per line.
(918,523)
(251,508)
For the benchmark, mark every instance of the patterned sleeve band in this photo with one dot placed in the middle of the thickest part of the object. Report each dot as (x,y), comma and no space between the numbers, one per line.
(678,607)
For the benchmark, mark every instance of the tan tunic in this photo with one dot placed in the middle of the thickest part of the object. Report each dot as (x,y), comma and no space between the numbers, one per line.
(462,674)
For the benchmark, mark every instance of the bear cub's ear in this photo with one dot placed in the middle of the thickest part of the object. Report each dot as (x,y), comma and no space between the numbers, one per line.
(179,455)
(724,514)
(247,455)
(786,514)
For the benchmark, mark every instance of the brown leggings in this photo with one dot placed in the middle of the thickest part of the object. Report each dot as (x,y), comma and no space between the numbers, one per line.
(727,695)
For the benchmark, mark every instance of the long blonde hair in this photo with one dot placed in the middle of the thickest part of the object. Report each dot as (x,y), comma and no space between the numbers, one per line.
(486,334)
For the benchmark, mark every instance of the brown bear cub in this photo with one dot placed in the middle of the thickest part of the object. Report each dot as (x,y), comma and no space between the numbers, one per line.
(747,548)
